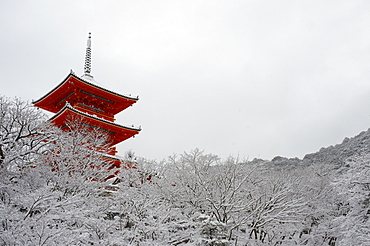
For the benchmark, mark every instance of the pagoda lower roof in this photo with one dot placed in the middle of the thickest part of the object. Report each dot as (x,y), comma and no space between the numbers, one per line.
(73,85)
(116,133)
(114,161)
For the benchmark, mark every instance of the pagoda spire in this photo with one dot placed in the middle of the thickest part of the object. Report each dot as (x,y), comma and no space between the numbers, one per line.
(87,67)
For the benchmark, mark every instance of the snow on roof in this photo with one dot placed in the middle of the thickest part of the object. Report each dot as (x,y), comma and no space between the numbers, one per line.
(88,78)
(69,106)
(115,157)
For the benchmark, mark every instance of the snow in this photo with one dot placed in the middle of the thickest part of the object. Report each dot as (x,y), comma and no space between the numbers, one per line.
(68,105)
(90,79)
(192,198)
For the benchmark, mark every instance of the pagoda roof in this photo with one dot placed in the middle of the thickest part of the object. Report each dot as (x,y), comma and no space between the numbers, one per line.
(114,161)
(54,100)
(116,133)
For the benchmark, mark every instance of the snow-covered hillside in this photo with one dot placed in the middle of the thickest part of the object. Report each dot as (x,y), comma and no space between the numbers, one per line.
(53,191)
(335,155)
(339,153)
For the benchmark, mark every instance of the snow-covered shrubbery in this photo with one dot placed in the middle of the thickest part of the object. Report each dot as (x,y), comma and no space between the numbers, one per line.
(53,192)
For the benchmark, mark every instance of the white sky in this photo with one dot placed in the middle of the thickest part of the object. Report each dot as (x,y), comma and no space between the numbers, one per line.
(248,78)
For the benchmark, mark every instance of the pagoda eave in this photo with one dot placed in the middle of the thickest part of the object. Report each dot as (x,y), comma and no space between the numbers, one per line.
(116,133)
(74,88)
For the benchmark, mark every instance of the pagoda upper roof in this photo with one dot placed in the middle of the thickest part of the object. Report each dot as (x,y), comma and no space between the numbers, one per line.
(116,133)
(72,85)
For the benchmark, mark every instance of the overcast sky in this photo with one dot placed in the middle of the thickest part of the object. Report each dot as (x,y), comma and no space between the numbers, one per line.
(248,78)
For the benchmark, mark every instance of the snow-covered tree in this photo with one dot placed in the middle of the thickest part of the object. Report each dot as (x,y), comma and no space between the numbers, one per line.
(352,223)
(21,132)
(233,201)
(50,181)
(53,191)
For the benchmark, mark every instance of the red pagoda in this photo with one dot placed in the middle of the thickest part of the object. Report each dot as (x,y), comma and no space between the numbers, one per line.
(95,107)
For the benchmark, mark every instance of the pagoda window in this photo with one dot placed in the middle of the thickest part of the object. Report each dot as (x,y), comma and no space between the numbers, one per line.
(96,127)
(102,98)
(65,98)
(92,107)
(63,127)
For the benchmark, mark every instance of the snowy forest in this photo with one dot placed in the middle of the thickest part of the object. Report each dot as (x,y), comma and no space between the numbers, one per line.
(54,191)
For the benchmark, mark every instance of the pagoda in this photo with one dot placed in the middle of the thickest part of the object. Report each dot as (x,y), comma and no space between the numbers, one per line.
(80,98)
